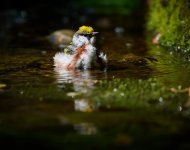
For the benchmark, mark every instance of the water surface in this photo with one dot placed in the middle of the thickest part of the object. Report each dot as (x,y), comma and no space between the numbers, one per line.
(44,108)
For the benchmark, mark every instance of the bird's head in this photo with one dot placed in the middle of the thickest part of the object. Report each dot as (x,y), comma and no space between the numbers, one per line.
(85,35)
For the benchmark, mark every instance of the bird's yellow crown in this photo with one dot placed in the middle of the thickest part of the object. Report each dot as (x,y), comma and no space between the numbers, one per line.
(86,29)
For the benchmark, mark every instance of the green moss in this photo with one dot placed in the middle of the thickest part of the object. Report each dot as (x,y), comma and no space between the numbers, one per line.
(133,94)
(171,19)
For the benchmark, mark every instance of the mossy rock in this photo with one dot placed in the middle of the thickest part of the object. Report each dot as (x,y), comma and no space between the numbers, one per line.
(170,18)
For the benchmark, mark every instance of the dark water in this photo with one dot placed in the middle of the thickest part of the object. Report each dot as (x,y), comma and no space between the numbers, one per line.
(40,107)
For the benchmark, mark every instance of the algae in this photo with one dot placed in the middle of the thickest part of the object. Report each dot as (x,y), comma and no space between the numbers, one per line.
(132,94)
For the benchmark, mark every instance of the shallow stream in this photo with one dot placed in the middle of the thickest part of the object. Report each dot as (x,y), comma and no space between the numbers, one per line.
(129,105)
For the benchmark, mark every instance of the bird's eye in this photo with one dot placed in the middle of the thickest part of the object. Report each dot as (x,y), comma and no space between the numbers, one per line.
(86,35)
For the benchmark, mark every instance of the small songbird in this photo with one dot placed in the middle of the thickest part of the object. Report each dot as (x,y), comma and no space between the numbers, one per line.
(81,53)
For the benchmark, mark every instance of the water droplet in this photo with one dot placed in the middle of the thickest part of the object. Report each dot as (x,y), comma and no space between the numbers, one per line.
(161,99)
(179,108)
(115,90)
(122,94)
(153,84)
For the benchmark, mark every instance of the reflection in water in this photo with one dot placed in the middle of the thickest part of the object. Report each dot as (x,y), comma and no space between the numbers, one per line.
(83,105)
(83,82)
(85,128)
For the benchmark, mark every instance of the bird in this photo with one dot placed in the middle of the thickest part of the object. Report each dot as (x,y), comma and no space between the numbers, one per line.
(81,53)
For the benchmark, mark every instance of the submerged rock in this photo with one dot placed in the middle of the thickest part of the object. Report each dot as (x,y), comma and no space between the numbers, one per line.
(136,60)
(61,37)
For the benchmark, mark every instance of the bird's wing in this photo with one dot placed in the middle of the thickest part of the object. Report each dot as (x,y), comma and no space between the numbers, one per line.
(70,49)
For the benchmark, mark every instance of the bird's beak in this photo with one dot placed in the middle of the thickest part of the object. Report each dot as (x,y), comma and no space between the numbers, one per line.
(93,33)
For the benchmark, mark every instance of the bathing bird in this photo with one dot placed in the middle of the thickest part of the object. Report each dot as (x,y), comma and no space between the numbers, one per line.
(81,53)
